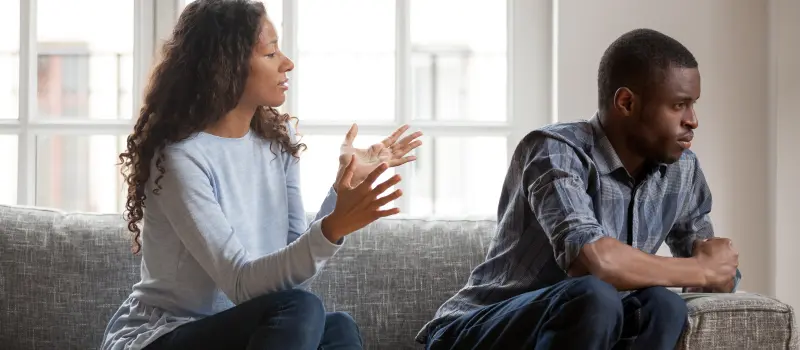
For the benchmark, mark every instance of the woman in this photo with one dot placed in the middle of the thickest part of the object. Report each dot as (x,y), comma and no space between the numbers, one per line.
(225,245)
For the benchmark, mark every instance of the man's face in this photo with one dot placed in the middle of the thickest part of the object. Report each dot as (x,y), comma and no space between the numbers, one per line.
(661,128)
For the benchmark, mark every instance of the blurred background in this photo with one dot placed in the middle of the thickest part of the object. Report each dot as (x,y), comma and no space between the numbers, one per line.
(474,75)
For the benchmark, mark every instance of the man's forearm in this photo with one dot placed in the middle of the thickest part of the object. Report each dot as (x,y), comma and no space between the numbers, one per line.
(627,268)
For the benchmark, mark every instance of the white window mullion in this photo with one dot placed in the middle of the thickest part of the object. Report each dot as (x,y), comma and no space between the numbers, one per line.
(291,50)
(26,176)
(144,50)
(78,127)
(530,66)
(10,126)
(431,129)
(165,16)
(403,103)
(554,62)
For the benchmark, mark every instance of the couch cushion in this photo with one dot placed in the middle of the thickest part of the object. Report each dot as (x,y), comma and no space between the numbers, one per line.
(61,277)
(393,275)
(738,321)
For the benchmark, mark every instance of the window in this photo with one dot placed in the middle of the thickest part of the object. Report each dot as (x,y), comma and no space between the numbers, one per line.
(382,63)
(69,91)
(67,95)
(9,79)
(459,69)
(8,177)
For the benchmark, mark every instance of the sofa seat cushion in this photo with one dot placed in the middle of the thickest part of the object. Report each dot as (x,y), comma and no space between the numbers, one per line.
(738,321)
(62,276)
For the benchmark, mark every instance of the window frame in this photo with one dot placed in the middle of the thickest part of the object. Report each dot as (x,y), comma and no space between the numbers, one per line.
(531,76)
(28,128)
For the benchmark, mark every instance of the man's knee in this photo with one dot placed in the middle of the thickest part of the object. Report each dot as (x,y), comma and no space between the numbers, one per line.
(596,298)
(664,305)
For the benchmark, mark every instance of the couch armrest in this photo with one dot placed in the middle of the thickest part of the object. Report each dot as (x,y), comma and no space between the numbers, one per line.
(738,321)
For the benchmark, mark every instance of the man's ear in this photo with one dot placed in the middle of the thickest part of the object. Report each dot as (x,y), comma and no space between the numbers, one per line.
(624,101)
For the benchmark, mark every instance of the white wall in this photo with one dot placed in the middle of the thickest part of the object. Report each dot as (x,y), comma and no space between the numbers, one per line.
(729,40)
(784,142)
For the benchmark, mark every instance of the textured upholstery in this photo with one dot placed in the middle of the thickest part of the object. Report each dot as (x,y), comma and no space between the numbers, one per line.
(62,275)
(738,321)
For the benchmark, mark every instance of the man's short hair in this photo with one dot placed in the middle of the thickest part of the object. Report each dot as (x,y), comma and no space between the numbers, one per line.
(637,60)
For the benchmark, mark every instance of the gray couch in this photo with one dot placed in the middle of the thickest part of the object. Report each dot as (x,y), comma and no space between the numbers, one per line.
(63,274)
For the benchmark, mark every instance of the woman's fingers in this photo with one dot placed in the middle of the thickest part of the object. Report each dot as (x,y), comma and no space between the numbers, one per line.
(405,145)
(384,213)
(407,140)
(382,187)
(380,202)
(401,161)
(373,176)
(347,176)
(351,135)
(394,136)
(361,205)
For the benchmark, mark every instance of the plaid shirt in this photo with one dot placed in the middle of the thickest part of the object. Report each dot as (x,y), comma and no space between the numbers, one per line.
(566,187)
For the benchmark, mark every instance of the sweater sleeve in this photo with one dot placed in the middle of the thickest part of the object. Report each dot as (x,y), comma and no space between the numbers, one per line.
(297,214)
(188,201)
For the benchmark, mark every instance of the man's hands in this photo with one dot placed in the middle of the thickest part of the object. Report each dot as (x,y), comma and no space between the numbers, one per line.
(358,206)
(719,261)
(392,151)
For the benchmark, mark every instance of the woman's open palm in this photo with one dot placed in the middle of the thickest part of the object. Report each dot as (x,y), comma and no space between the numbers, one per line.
(392,150)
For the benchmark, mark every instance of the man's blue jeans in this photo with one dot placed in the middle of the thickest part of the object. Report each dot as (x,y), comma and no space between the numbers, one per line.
(577,313)
(290,319)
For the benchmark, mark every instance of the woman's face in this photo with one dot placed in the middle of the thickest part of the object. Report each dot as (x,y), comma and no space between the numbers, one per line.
(267,83)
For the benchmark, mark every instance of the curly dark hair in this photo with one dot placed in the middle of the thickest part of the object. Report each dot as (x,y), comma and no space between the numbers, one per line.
(199,79)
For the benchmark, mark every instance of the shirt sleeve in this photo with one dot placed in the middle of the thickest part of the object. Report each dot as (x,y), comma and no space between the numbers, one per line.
(695,222)
(297,214)
(187,200)
(555,178)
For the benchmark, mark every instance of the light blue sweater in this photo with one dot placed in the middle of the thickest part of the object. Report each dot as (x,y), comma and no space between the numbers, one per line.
(228,226)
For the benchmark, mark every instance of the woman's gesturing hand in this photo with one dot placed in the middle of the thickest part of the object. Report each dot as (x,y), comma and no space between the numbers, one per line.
(393,151)
(358,206)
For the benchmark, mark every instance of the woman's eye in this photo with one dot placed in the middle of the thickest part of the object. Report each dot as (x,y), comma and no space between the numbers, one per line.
(271,55)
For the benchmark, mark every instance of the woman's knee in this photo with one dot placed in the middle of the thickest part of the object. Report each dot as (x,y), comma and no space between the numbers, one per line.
(307,305)
(293,318)
(341,329)
(340,319)
(295,305)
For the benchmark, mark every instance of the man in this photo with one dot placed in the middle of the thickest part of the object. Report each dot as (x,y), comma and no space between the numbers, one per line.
(584,208)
